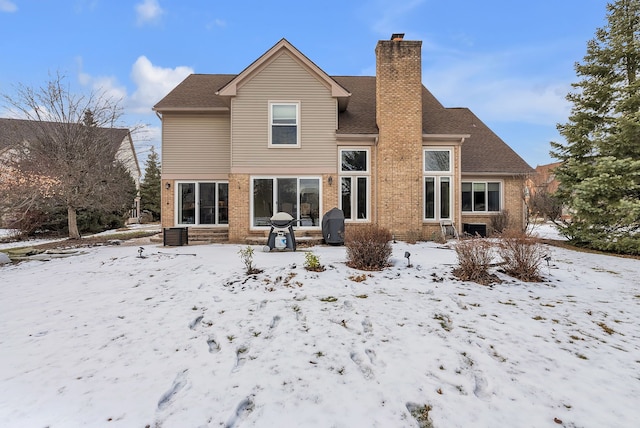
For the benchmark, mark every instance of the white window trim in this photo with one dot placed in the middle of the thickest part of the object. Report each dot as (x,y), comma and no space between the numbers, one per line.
(284,146)
(437,175)
(438,197)
(354,197)
(274,177)
(354,175)
(176,204)
(486,211)
(437,149)
(354,149)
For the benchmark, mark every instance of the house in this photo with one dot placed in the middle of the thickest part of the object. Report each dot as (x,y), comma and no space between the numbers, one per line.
(15,131)
(541,187)
(543,179)
(283,135)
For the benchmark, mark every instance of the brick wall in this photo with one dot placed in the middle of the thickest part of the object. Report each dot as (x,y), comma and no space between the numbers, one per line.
(239,206)
(167,202)
(398,174)
(512,199)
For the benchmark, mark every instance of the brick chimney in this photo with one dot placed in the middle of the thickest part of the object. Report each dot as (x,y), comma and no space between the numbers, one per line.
(399,151)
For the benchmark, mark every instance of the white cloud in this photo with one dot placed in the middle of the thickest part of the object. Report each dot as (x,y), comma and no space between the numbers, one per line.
(149,11)
(153,83)
(7,6)
(497,86)
(104,85)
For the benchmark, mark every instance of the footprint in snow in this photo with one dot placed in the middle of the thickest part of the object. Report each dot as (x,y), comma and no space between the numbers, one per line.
(178,384)
(214,345)
(367,326)
(481,389)
(372,357)
(243,409)
(274,322)
(193,324)
(364,368)
(241,357)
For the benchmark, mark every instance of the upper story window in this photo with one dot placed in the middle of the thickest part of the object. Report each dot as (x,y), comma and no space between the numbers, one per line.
(284,124)
(354,161)
(437,160)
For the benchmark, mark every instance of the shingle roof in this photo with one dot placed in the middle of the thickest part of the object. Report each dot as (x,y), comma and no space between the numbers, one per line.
(197,91)
(13,131)
(482,152)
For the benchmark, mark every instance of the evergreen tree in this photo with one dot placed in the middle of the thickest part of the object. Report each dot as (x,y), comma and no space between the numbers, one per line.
(600,171)
(150,186)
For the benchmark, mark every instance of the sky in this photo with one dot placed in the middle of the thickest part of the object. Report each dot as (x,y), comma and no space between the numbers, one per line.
(114,336)
(511,63)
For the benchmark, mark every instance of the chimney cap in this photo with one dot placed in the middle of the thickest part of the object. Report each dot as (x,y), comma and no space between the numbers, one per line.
(397,36)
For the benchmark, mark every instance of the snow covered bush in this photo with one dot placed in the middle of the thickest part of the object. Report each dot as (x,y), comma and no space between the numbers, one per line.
(368,247)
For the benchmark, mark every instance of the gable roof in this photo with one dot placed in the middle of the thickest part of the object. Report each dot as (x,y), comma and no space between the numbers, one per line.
(483,152)
(14,131)
(284,46)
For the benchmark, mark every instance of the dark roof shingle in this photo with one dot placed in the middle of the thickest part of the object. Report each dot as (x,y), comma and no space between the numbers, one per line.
(14,131)
(482,152)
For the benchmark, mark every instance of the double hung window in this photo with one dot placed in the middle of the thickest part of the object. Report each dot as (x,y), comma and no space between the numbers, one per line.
(284,124)
(354,183)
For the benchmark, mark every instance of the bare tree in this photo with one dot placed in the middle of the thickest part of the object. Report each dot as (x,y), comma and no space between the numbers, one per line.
(71,140)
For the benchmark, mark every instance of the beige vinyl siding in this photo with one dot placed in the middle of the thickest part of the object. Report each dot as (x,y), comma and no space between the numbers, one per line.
(284,79)
(126,155)
(196,144)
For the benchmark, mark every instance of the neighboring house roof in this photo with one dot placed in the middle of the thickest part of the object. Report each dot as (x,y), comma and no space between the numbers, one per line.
(14,131)
(483,152)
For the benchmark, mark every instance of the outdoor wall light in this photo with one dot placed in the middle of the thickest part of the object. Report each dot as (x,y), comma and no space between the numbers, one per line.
(167,185)
(407,256)
(330,180)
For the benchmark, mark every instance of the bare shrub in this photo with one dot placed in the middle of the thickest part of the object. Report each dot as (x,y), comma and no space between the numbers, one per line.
(545,205)
(522,255)
(474,259)
(413,236)
(368,247)
(501,221)
(28,223)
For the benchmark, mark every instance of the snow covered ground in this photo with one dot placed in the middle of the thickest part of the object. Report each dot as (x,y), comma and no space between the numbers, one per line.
(183,338)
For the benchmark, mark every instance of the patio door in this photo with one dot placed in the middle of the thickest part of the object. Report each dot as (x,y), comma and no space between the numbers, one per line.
(298,197)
